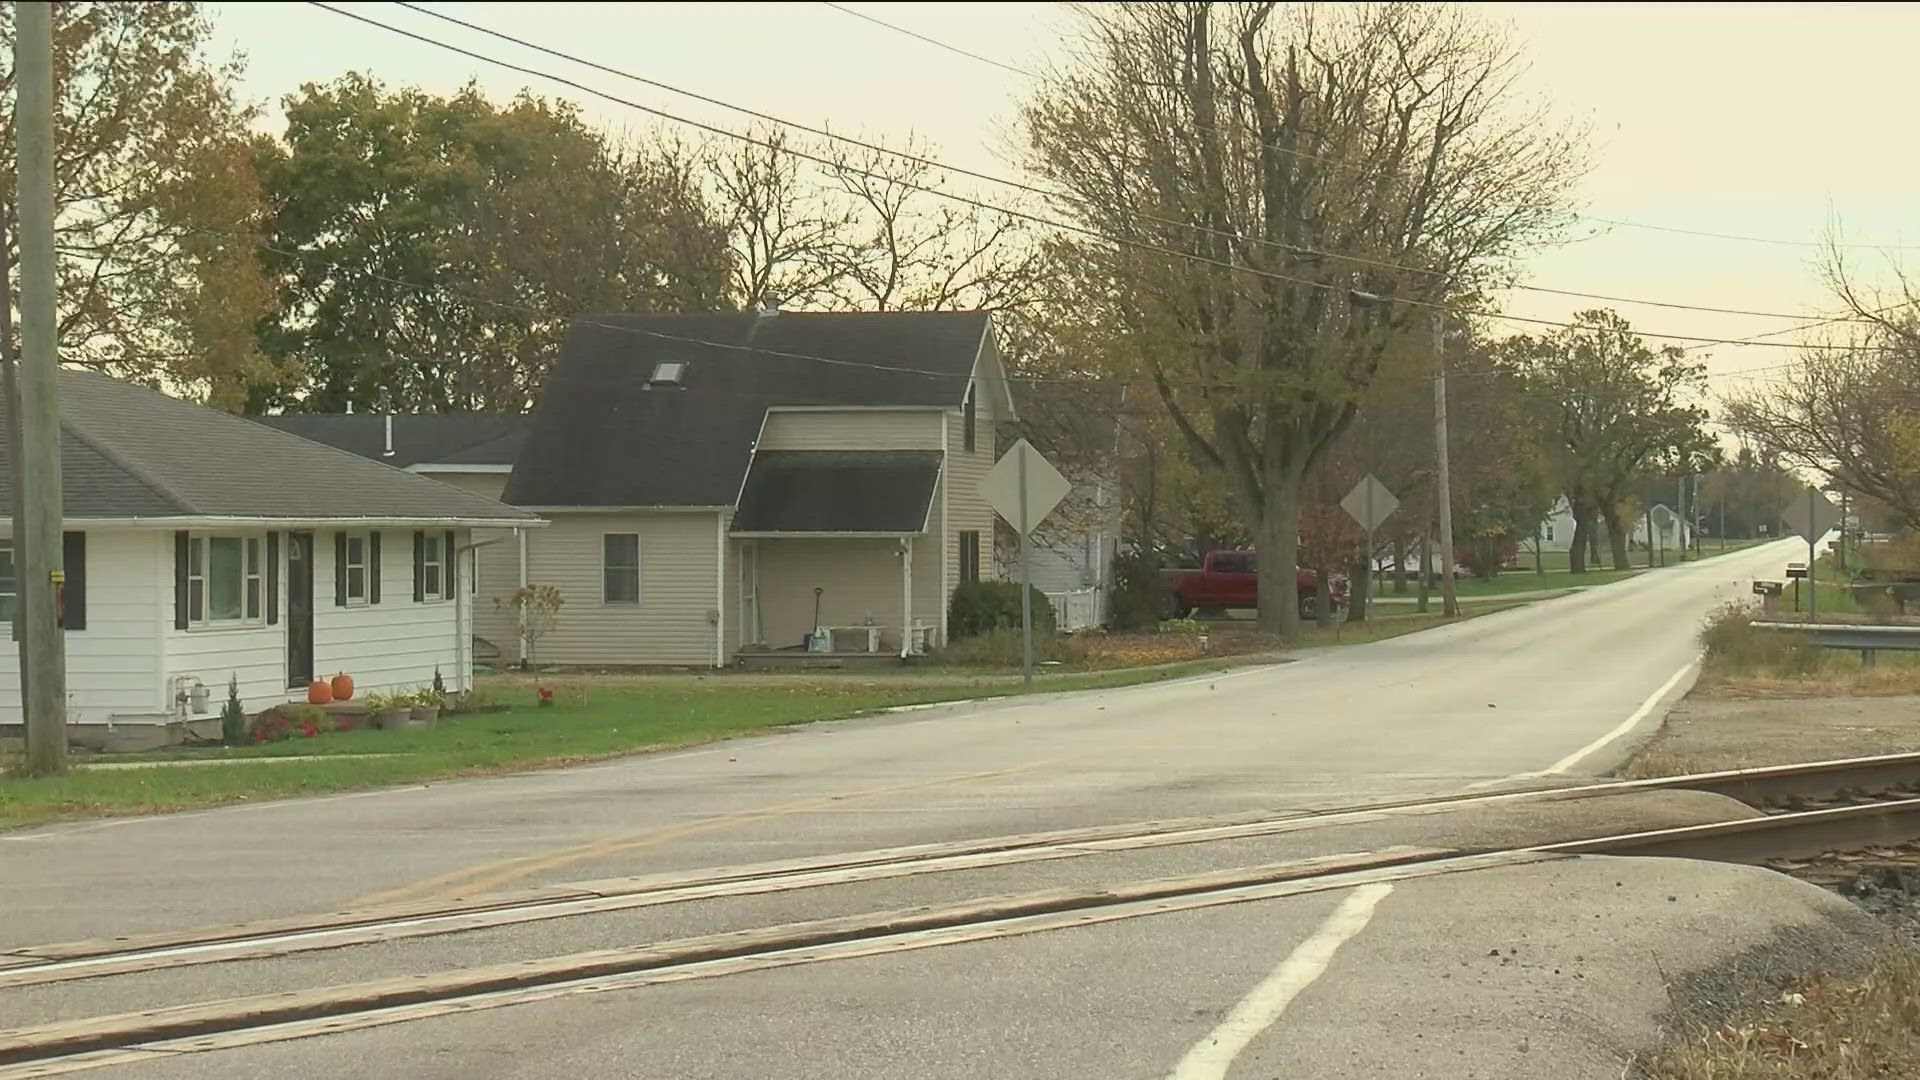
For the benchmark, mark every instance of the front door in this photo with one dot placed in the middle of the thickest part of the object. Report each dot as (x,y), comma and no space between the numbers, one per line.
(299,609)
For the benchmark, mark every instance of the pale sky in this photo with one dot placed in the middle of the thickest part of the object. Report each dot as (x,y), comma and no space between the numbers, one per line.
(1756,120)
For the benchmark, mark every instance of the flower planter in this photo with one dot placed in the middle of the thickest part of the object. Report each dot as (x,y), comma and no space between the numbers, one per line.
(423,716)
(391,719)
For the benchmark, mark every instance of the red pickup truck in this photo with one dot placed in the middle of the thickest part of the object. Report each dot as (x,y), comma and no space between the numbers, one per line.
(1229,579)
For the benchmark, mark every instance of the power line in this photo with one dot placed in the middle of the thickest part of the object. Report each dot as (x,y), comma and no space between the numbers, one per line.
(1035,380)
(937,43)
(1034,189)
(967,200)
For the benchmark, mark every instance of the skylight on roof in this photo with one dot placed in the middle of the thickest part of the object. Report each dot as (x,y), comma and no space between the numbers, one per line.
(669,373)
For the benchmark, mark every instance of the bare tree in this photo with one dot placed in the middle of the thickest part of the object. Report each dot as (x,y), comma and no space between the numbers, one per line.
(1852,413)
(912,249)
(788,236)
(1851,407)
(1256,179)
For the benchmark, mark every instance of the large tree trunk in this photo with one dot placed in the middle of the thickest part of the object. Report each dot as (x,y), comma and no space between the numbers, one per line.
(1616,536)
(1279,554)
(1399,564)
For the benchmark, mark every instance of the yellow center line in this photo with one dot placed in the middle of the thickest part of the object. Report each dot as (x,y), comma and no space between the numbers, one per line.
(492,876)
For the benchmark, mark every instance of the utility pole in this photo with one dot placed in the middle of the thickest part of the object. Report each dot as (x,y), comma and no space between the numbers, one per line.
(1443,479)
(41,575)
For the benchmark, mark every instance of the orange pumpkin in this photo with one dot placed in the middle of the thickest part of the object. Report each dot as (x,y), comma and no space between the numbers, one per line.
(319,693)
(343,687)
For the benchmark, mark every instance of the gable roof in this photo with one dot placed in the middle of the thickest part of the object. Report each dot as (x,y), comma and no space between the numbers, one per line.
(128,452)
(602,436)
(426,439)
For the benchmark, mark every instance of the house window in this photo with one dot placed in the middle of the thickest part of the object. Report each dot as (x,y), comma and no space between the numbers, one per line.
(1549,532)
(620,568)
(224,581)
(971,419)
(969,557)
(356,564)
(433,567)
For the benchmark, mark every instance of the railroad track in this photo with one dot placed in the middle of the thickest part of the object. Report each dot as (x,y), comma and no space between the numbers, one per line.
(1876,819)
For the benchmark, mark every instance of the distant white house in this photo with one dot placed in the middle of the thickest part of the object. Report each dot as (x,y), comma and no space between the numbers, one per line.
(201,547)
(1669,531)
(1556,532)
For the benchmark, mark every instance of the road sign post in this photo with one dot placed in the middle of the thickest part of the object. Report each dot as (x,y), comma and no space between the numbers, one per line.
(1811,518)
(1023,488)
(1369,503)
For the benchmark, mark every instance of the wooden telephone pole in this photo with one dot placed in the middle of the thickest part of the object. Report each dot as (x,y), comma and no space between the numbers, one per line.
(40,575)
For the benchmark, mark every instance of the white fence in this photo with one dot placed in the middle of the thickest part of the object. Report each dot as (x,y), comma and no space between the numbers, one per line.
(1079,609)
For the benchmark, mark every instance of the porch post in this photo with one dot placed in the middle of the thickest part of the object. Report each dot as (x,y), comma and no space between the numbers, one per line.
(906,597)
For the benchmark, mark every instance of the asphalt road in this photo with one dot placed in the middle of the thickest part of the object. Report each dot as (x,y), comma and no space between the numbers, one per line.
(1562,686)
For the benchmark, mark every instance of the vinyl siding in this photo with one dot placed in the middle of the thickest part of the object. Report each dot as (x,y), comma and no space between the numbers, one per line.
(497,566)
(397,643)
(851,429)
(966,509)
(113,666)
(678,568)
(393,645)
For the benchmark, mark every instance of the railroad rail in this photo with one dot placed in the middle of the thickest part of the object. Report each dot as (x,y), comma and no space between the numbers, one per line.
(122,1038)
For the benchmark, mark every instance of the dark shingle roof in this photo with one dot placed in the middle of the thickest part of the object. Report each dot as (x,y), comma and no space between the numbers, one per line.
(838,491)
(448,438)
(603,437)
(127,451)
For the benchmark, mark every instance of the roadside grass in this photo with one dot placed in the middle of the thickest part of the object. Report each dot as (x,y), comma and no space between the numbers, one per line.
(1742,661)
(614,721)
(603,716)
(1825,1028)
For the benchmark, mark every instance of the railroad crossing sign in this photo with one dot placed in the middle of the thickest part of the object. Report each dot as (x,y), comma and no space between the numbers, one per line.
(1024,487)
(1369,503)
(1810,514)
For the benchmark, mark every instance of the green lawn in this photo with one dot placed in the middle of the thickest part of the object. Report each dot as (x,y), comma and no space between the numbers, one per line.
(643,714)
(620,715)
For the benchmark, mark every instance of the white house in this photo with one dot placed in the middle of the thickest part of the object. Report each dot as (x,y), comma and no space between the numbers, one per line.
(202,547)
(1669,531)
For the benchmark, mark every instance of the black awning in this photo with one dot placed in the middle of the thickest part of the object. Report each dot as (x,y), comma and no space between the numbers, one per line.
(838,491)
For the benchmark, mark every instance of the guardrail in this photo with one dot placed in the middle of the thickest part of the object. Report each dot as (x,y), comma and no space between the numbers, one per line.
(1867,640)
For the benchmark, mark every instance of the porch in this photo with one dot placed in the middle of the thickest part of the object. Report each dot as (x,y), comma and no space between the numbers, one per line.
(836,600)
(831,556)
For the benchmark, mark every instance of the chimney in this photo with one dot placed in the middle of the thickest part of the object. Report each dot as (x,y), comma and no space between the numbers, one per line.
(388,452)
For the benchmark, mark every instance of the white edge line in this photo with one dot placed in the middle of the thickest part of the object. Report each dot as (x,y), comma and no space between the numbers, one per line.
(1625,726)
(1212,1056)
